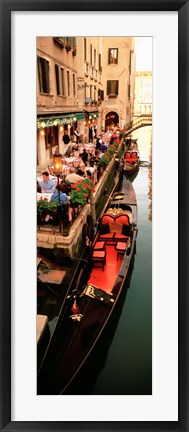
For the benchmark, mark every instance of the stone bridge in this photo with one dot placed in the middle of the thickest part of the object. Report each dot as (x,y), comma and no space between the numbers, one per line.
(140,121)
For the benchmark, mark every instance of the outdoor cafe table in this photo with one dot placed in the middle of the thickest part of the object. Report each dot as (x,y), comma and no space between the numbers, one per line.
(90,148)
(44,196)
(73,161)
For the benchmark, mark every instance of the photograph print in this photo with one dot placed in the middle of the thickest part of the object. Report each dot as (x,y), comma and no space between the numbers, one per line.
(94,215)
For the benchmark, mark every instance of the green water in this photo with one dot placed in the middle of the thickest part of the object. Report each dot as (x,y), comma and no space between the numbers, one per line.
(128,364)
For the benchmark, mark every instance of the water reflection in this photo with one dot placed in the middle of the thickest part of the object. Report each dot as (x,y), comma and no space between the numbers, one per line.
(144,137)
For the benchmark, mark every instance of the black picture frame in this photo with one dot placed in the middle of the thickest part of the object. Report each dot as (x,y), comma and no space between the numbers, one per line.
(5,157)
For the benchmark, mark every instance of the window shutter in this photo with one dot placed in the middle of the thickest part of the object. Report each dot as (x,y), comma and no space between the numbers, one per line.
(45,75)
(39,74)
(109,54)
(117,86)
(108,87)
(117,56)
(91,54)
(57,79)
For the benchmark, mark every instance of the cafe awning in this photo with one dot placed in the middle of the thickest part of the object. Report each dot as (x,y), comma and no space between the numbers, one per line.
(44,122)
(92,113)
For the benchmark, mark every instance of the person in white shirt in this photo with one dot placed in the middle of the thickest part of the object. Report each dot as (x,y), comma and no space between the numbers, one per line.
(72,177)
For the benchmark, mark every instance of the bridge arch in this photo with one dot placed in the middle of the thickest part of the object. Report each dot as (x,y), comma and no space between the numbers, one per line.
(140,121)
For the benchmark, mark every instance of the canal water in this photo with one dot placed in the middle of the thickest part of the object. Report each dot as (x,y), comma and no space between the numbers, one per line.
(127,369)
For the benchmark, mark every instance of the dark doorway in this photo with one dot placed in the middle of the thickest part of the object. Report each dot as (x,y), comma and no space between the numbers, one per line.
(111,120)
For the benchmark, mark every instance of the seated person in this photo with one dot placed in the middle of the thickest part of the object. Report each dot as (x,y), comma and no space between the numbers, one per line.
(75,147)
(72,177)
(47,185)
(81,171)
(64,187)
(89,174)
(59,196)
(103,147)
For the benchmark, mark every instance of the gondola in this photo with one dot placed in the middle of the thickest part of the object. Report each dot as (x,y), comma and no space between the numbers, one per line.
(131,158)
(90,306)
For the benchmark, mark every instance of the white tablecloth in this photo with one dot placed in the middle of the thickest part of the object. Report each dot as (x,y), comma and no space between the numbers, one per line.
(44,196)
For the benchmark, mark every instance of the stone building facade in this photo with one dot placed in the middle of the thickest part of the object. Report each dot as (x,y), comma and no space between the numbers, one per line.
(82,82)
(143,93)
(58,110)
(118,79)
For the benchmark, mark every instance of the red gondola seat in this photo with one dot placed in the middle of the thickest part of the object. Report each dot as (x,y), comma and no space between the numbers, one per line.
(105,234)
(134,157)
(127,156)
(123,234)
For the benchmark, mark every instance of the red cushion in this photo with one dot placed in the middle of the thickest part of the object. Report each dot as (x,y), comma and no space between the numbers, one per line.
(107,219)
(106,236)
(120,236)
(127,156)
(99,254)
(99,245)
(121,246)
(123,219)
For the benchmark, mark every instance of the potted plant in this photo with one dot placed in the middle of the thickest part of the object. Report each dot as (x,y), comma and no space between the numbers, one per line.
(110,151)
(105,160)
(45,207)
(68,46)
(81,191)
(74,51)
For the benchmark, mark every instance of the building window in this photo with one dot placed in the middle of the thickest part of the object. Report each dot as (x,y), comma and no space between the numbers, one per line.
(91,55)
(62,81)
(100,62)
(112,88)
(100,95)
(43,74)
(68,83)
(94,58)
(85,49)
(113,56)
(91,87)
(74,88)
(57,79)
(59,74)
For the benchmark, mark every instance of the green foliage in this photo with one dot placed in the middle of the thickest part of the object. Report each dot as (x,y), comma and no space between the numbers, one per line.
(105,159)
(110,151)
(81,191)
(115,144)
(44,206)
